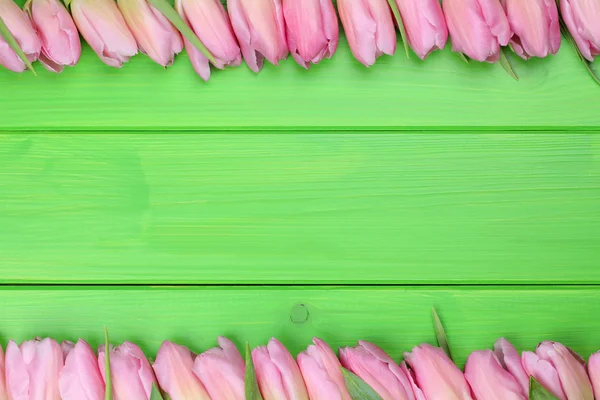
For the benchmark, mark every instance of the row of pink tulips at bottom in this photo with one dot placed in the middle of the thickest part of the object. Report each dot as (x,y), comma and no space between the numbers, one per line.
(259,29)
(44,370)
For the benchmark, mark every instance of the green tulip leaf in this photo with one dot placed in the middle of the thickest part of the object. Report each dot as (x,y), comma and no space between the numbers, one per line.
(12,42)
(108,386)
(169,12)
(538,392)
(588,65)
(358,389)
(252,390)
(398,18)
(463,57)
(440,333)
(155,394)
(505,62)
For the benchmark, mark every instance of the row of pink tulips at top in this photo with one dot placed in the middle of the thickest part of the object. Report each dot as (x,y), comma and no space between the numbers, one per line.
(308,29)
(44,370)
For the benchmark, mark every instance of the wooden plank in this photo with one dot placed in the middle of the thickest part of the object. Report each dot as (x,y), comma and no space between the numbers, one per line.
(395,318)
(297,208)
(397,93)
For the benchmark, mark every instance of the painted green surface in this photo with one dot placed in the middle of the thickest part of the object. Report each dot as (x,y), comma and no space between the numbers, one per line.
(394,318)
(340,93)
(300,208)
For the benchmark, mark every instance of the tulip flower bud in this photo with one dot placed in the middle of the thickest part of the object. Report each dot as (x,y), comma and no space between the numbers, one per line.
(559,370)
(436,375)
(80,379)
(155,35)
(222,371)
(131,373)
(510,360)
(594,373)
(477,27)
(173,368)
(322,373)
(3,393)
(33,369)
(312,30)
(260,29)
(102,26)
(369,27)
(20,26)
(485,375)
(424,24)
(60,40)
(582,17)
(378,370)
(535,27)
(278,375)
(210,22)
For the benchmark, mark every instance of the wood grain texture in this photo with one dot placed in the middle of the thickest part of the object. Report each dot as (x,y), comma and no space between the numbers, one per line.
(300,208)
(396,93)
(394,318)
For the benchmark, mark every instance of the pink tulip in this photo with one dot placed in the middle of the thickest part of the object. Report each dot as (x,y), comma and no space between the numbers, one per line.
(209,21)
(222,371)
(3,392)
(153,32)
(19,25)
(594,373)
(312,30)
(559,370)
(424,24)
(321,372)
(101,24)
(260,29)
(378,370)
(278,375)
(80,379)
(60,40)
(131,373)
(535,27)
(582,17)
(369,28)
(510,360)
(32,369)
(173,368)
(485,375)
(436,375)
(478,28)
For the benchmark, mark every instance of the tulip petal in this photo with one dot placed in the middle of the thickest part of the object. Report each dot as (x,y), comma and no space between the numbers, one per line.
(80,378)
(319,384)
(544,372)
(425,25)
(486,375)
(436,374)
(60,39)
(102,26)
(222,371)
(17,377)
(173,368)
(511,361)
(581,17)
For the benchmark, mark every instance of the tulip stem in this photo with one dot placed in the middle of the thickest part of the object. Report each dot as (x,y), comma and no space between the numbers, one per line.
(169,12)
(505,62)
(12,42)
(398,18)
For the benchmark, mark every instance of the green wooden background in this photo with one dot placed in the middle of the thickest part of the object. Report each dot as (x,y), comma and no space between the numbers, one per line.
(341,202)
